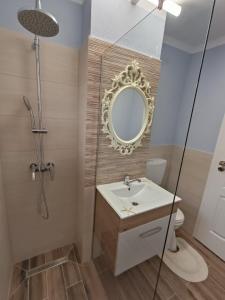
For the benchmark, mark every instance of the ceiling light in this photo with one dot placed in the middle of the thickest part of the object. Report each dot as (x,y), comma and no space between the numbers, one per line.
(172,7)
(168,5)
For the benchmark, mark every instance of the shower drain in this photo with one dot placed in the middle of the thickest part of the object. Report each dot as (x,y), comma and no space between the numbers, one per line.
(135,203)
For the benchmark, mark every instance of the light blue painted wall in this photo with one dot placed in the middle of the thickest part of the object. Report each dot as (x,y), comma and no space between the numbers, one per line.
(175,98)
(111,19)
(187,99)
(210,104)
(86,22)
(69,15)
(174,68)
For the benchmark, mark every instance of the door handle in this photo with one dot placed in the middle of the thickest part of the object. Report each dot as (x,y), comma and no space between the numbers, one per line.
(221,167)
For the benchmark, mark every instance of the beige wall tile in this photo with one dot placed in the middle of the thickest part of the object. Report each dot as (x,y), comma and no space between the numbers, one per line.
(55,232)
(59,100)
(6,261)
(15,134)
(62,134)
(192,181)
(11,99)
(59,63)
(22,195)
(15,166)
(16,54)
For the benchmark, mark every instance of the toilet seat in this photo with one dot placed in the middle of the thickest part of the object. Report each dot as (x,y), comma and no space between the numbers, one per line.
(179,217)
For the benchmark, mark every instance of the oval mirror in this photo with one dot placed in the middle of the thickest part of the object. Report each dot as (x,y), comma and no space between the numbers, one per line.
(127,109)
(128,114)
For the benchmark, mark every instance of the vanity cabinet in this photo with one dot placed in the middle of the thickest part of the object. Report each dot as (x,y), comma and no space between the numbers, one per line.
(132,240)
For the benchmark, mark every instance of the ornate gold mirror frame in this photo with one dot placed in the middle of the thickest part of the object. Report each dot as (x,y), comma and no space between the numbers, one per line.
(131,77)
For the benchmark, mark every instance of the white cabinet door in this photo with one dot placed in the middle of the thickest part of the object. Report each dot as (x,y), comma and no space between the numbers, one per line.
(141,243)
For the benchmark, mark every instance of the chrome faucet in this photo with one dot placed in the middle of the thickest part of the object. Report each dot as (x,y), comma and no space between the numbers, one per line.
(49,167)
(128,181)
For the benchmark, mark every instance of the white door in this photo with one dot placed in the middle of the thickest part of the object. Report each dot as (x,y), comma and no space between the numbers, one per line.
(210,226)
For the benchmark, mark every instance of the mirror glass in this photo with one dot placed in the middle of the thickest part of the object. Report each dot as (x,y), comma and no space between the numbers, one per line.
(128,113)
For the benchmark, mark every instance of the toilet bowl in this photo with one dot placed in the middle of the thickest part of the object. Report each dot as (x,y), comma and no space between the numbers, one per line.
(155,171)
(178,223)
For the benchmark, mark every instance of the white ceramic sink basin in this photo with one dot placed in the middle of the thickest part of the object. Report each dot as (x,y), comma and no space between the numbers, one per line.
(141,197)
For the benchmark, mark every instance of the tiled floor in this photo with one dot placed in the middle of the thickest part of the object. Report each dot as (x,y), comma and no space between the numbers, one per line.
(139,282)
(94,281)
(59,283)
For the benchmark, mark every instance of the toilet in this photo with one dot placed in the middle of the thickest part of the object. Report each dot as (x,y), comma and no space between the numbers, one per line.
(155,171)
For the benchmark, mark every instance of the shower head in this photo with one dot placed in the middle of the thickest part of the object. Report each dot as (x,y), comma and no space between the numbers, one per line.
(38,21)
(27,103)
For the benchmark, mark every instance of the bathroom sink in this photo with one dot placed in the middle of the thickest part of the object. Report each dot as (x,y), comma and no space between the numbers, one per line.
(124,192)
(139,198)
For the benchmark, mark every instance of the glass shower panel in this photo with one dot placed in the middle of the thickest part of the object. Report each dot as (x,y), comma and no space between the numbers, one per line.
(184,57)
(154,60)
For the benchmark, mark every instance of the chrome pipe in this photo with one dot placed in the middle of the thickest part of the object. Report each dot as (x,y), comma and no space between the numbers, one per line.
(36,46)
(38,4)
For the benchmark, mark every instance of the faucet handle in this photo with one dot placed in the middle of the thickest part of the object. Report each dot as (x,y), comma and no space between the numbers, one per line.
(126,179)
(51,169)
(34,169)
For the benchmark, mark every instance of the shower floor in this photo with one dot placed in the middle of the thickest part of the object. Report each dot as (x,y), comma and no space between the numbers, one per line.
(63,282)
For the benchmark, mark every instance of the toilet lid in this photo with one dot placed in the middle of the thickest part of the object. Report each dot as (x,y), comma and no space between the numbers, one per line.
(179,216)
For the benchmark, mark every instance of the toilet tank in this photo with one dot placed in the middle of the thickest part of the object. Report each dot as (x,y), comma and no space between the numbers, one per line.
(155,170)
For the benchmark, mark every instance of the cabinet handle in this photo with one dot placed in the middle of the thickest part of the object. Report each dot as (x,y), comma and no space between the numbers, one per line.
(150,232)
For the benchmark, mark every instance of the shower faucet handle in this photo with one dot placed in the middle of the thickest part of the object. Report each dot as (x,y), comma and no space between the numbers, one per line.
(34,168)
(51,168)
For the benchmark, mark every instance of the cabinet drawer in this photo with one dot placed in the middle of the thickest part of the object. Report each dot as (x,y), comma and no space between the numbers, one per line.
(141,243)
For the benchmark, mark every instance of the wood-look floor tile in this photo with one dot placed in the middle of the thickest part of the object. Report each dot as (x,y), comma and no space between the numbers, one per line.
(53,255)
(72,254)
(20,293)
(92,282)
(175,282)
(128,287)
(55,284)
(138,281)
(77,292)
(100,264)
(208,289)
(164,289)
(131,285)
(111,286)
(17,278)
(66,250)
(136,284)
(38,287)
(174,297)
(71,273)
(37,261)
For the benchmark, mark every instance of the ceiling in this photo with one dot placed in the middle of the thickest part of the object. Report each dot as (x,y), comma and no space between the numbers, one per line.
(188,31)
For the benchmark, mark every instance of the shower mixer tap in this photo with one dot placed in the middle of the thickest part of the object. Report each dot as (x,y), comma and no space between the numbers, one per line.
(37,168)
(51,169)
(34,168)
